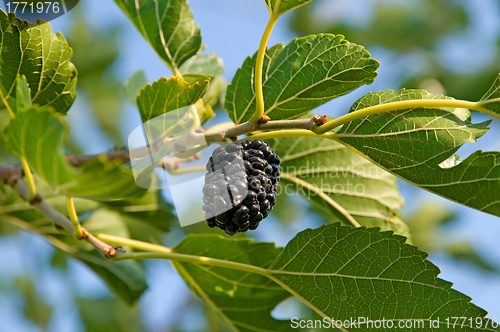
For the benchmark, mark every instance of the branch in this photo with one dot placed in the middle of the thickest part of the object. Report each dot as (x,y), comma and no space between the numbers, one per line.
(248,127)
(57,219)
(78,161)
(308,125)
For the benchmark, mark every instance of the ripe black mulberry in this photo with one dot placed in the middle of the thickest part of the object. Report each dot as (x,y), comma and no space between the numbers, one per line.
(240,186)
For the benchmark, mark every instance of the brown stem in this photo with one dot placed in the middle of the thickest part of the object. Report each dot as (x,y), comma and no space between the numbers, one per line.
(57,219)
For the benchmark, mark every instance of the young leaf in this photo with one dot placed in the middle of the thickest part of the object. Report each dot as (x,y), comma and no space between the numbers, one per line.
(346,273)
(42,57)
(133,86)
(38,136)
(491,100)
(166,95)
(202,67)
(343,184)
(285,5)
(165,111)
(419,145)
(168,26)
(243,300)
(305,74)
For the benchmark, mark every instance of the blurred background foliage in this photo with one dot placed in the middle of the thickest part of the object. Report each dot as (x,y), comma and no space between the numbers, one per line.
(55,292)
(418,30)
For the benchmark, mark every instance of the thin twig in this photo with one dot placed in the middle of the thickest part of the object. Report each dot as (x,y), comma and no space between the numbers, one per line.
(57,219)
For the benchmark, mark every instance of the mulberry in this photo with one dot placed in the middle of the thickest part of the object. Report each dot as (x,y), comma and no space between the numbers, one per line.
(240,186)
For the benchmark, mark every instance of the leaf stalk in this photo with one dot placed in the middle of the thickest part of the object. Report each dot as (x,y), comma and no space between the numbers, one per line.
(259,94)
(161,252)
(397,106)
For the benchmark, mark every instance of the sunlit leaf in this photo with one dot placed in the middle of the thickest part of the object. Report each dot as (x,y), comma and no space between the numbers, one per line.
(305,74)
(42,57)
(414,143)
(168,26)
(345,272)
(166,95)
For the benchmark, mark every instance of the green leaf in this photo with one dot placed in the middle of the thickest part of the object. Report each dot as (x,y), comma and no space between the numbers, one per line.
(38,136)
(35,307)
(164,107)
(109,314)
(166,95)
(346,273)
(103,180)
(419,145)
(132,284)
(285,5)
(151,209)
(42,56)
(305,74)
(133,86)
(23,94)
(341,183)
(491,100)
(201,67)
(243,300)
(125,278)
(168,26)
